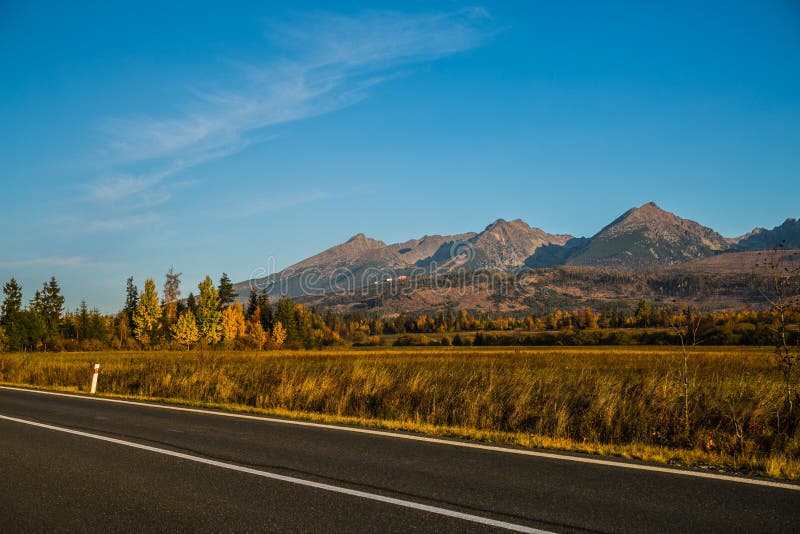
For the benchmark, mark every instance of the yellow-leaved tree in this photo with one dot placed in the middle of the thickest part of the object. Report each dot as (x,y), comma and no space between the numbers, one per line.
(278,335)
(233,325)
(255,330)
(208,314)
(185,330)
(147,315)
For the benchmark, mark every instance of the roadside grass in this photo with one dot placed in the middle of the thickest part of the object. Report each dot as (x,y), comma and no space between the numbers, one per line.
(613,401)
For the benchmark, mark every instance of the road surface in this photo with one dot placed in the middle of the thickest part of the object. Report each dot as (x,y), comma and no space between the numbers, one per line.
(70,463)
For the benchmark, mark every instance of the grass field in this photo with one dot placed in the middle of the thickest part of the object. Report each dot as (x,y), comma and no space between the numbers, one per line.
(624,401)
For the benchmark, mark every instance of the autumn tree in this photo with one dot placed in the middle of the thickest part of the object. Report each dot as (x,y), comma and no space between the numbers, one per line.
(226,293)
(172,292)
(278,335)
(644,313)
(147,315)
(208,314)
(185,331)
(783,296)
(255,331)
(686,325)
(121,331)
(233,325)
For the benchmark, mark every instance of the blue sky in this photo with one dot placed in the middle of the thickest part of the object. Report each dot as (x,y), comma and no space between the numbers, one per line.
(212,137)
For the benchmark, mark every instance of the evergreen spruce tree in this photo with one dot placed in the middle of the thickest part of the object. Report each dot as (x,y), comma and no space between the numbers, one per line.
(48,304)
(252,303)
(131,301)
(225,290)
(284,313)
(191,304)
(82,331)
(12,302)
(265,314)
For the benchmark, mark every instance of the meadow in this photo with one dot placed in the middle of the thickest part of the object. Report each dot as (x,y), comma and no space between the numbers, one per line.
(622,401)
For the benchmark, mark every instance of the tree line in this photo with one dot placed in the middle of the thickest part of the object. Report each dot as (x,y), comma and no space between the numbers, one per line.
(215,317)
(212,318)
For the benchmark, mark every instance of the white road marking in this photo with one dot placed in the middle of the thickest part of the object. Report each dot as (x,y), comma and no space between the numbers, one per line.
(292,480)
(426,439)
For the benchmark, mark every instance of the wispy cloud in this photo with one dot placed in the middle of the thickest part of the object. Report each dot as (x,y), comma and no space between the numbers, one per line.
(52,261)
(117,224)
(77,226)
(327,62)
(266,205)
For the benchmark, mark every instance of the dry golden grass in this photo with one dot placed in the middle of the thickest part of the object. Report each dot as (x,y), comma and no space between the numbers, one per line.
(624,401)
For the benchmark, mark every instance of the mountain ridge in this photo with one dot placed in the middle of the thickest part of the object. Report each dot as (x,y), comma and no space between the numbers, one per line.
(642,237)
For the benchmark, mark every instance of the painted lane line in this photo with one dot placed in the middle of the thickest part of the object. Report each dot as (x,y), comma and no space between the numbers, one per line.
(292,480)
(426,439)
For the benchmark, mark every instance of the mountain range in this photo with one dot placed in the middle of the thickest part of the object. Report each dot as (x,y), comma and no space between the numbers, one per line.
(642,238)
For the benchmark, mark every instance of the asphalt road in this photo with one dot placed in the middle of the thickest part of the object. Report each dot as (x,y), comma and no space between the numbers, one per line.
(119,467)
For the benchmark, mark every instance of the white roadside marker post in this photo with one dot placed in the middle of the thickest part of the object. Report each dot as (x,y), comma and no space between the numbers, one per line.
(94,377)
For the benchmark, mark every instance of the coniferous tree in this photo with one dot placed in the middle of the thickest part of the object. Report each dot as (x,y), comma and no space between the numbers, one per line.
(252,303)
(265,314)
(48,304)
(99,326)
(53,302)
(82,329)
(191,304)
(12,302)
(284,314)
(225,290)
(131,301)
(36,306)
(27,332)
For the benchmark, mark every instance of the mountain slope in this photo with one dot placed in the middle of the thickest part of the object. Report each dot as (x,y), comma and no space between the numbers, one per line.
(357,248)
(505,245)
(647,235)
(502,246)
(415,251)
(787,233)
